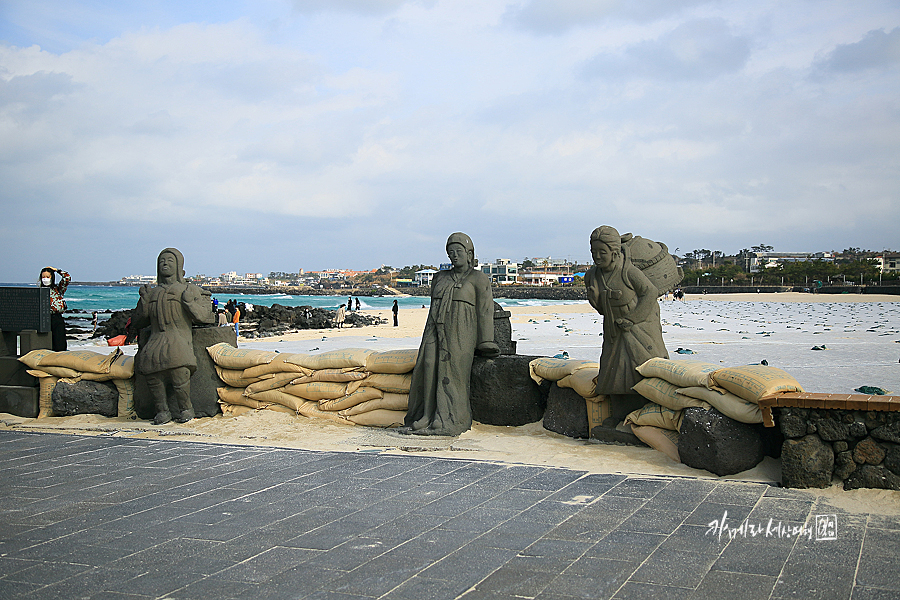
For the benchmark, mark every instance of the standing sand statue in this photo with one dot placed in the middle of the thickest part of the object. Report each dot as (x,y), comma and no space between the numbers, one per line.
(632,333)
(167,358)
(460,323)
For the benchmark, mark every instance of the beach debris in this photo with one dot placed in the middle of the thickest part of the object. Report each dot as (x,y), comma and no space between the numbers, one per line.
(871,390)
(822,347)
(684,351)
(562,354)
(764,362)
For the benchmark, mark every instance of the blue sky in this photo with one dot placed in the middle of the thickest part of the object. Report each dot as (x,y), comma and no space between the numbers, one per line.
(279,135)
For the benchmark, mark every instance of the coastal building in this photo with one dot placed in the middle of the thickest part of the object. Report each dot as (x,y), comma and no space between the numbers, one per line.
(138,280)
(424,276)
(502,271)
(769,260)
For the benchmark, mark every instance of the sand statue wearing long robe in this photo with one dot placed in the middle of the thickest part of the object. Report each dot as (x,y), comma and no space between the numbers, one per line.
(460,322)
(632,332)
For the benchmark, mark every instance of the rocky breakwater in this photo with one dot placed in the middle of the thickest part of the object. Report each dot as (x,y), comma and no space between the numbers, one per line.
(262,321)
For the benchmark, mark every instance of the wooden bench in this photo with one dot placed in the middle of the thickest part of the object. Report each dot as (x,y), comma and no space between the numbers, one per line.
(826,401)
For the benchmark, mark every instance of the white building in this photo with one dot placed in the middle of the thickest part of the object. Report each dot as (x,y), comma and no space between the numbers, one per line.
(502,271)
(423,278)
(769,260)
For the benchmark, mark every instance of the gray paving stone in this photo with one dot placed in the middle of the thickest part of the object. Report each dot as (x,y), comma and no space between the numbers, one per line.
(720,585)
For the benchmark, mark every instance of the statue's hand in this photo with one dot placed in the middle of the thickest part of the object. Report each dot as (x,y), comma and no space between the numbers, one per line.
(190,295)
(624,324)
(144,290)
(615,294)
(488,349)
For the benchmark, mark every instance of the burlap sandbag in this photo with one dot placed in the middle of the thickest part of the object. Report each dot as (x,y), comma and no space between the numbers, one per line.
(235,377)
(226,355)
(392,361)
(554,369)
(664,440)
(334,359)
(665,394)
(317,390)
(45,395)
(583,381)
(380,418)
(236,396)
(359,396)
(387,402)
(117,365)
(125,387)
(680,373)
(278,365)
(598,410)
(275,381)
(279,397)
(752,382)
(312,410)
(61,372)
(394,383)
(334,375)
(657,416)
(233,410)
(726,403)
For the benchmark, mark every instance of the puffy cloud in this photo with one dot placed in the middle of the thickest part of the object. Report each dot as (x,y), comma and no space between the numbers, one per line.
(696,50)
(877,50)
(559,16)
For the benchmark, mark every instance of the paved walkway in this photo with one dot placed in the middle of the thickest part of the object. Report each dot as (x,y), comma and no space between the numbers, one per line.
(118,518)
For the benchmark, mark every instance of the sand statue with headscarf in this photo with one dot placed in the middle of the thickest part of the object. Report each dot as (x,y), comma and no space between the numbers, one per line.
(167,358)
(460,323)
(632,332)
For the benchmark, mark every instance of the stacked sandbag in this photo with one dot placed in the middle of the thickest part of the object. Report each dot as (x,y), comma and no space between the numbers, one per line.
(82,365)
(351,386)
(673,385)
(577,375)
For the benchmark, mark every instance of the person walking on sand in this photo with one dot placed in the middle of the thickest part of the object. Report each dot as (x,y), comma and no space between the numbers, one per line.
(395,309)
(57,305)
(339,318)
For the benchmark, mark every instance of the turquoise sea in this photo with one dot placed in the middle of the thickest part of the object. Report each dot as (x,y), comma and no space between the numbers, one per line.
(107,299)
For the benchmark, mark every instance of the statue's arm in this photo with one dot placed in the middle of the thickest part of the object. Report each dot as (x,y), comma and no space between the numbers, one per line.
(140,316)
(198,304)
(646,295)
(593,290)
(484,308)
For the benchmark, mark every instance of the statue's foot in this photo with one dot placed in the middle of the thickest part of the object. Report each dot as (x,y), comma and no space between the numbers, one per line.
(439,431)
(163,417)
(405,429)
(186,415)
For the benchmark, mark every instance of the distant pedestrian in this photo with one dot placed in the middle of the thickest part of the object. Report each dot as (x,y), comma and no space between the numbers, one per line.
(57,305)
(223,318)
(395,309)
(339,318)
(350,303)
(235,319)
(357,303)
(94,322)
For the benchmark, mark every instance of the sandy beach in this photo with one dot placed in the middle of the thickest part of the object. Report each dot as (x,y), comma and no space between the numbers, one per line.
(861,334)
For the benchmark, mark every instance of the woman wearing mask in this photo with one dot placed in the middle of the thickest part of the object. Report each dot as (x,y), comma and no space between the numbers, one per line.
(57,305)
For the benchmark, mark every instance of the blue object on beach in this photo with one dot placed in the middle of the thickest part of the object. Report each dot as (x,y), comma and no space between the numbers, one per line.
(564,354)
(684,351)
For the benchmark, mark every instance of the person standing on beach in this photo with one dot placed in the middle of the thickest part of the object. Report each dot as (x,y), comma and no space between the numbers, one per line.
(94,322)
(339,318)
(395,309)
(350,303)
(357,303)
(235,319)
(57,305)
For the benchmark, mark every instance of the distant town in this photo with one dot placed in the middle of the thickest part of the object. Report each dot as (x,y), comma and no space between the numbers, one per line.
(759,265)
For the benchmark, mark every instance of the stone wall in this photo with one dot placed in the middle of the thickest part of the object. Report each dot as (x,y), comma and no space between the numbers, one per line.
(861,449)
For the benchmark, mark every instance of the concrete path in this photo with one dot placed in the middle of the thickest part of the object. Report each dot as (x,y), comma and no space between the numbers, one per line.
(128,519)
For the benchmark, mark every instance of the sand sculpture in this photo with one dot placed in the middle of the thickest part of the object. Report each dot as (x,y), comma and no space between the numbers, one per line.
(167,359)
(632,333)
(460,323)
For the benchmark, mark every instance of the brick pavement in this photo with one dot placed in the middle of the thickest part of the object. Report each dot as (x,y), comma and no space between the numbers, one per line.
(132,519)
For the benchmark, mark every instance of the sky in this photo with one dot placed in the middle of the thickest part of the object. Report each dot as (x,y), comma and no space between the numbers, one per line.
(278,135)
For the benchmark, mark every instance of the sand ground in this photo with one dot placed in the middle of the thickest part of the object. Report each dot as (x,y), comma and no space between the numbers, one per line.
(859,330)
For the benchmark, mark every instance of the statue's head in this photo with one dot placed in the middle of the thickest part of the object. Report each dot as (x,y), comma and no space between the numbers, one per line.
(606,246)
(170,265)
(461,250)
